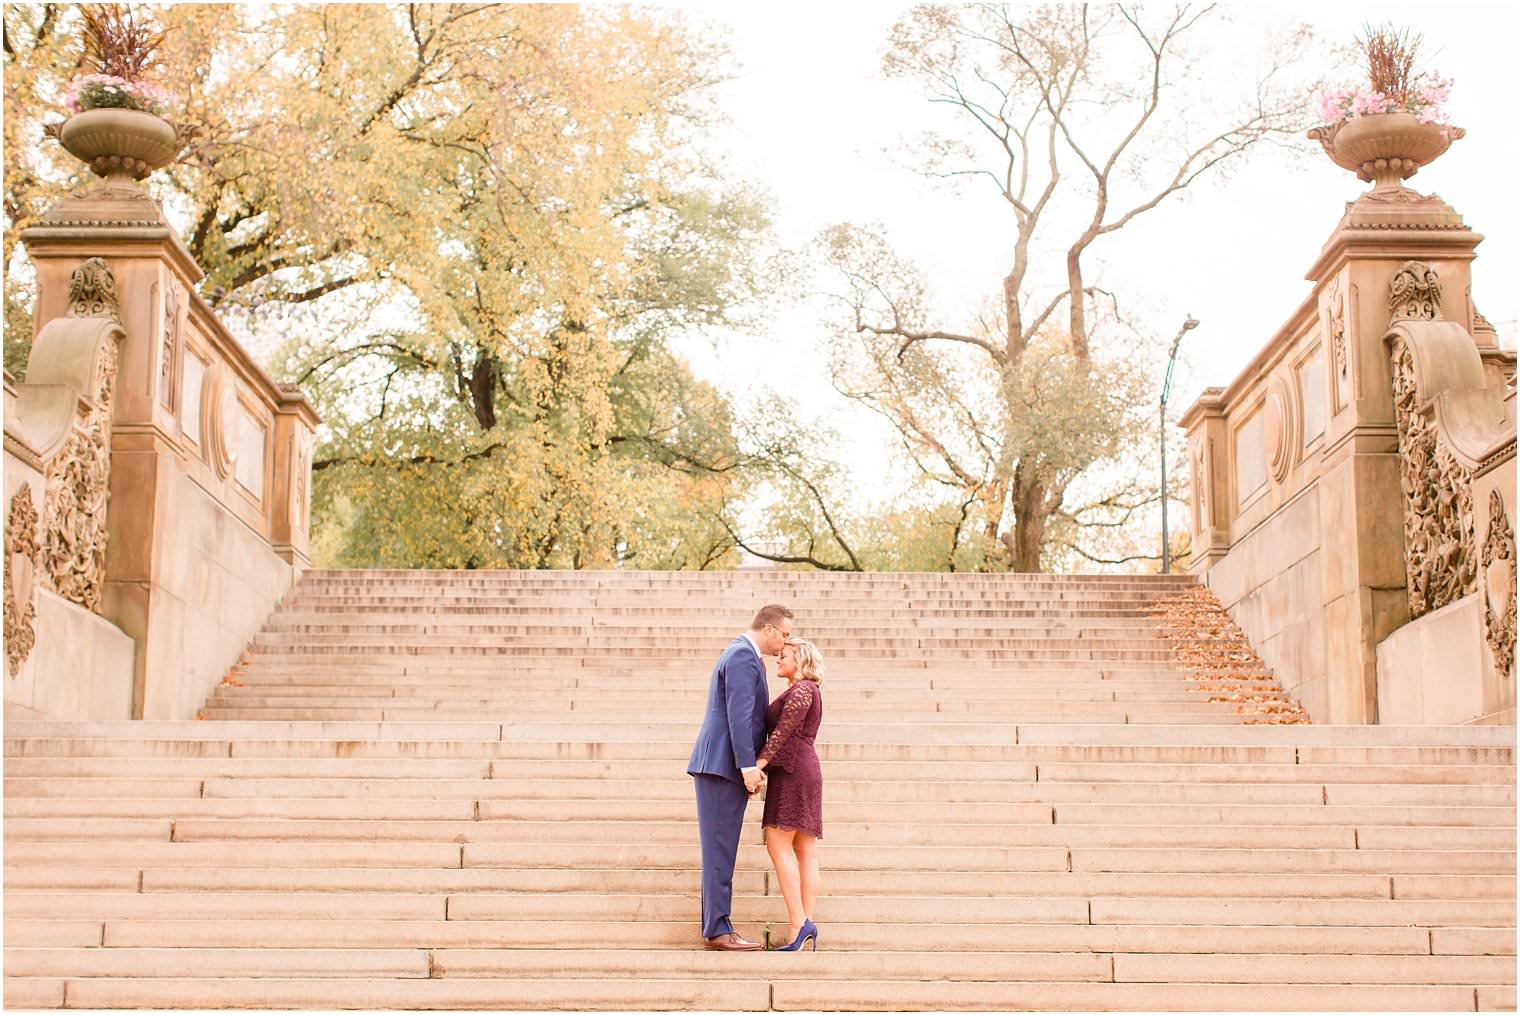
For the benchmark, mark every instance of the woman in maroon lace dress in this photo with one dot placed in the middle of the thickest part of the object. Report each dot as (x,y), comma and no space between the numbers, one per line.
(793,817)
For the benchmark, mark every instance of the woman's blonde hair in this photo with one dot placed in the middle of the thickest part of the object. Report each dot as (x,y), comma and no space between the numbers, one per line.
(809,660)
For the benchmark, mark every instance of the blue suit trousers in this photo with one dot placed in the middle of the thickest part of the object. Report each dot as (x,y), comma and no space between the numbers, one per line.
(720,819)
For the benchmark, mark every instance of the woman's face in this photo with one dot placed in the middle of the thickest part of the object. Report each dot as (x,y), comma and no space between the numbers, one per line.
(786,663)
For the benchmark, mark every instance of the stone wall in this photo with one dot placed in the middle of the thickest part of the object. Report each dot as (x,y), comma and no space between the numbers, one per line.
(1301,485)
(61,659)
(203,460)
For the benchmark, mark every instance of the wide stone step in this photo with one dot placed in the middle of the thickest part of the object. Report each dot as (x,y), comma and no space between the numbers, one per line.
(1325,836)
(843,882)
(639,964)
(700,628)
(568,694)
(965,791)
(843,812)
(745,598)
(438,789)
(555,906)
(735,611)
(1017,762)
(821,618)
(618,667)
(407,674)
(1204,713)
(243,854)
(697,623)
(593,704)
(671,657)
(889,937)
(1296,738)
(597,641)
(735,993)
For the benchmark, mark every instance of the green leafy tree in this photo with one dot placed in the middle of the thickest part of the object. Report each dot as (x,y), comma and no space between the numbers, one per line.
(467,230)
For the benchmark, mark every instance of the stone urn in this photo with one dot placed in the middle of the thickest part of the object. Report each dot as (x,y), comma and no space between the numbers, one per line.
(119,144)
(1385,148)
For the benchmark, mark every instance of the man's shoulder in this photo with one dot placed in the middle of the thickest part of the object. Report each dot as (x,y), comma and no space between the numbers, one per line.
(741,643)
(740,651)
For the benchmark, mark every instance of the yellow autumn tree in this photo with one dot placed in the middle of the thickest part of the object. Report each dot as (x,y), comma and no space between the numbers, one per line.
(467,230)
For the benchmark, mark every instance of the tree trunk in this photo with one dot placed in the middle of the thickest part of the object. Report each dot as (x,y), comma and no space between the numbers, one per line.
(483,390)
(1013,316)
(1025,537)
(1078,301)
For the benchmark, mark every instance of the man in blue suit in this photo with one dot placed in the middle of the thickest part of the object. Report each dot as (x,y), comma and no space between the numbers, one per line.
(723,765)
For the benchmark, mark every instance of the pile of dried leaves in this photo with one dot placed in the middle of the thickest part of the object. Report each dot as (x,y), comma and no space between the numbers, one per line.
(1218,659)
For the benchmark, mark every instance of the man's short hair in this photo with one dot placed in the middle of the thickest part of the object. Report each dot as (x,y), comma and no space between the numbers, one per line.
(771,613)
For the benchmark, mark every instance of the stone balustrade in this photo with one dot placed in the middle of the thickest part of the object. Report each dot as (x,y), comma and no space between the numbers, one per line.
(168,475)
(1360,471)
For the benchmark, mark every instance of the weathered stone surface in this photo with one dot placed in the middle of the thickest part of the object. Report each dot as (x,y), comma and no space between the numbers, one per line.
(544,851)
(1419,406)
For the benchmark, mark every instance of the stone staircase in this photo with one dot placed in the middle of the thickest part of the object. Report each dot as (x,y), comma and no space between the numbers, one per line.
(468,790)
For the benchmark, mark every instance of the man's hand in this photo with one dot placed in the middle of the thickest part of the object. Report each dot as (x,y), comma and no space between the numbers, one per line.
(754,782)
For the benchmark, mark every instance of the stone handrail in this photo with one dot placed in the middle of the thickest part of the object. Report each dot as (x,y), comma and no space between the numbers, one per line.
(1453,429)
(170,475)
(1353,486)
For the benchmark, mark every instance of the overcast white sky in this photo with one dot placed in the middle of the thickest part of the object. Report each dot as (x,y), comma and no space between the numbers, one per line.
(814,121)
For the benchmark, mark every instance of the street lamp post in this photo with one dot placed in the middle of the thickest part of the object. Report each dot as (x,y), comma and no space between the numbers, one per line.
(1166,389)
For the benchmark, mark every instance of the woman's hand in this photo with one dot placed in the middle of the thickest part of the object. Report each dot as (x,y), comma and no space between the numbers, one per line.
(762,763)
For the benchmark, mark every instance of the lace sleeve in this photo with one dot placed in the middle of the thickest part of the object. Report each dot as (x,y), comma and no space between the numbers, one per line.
(792,714)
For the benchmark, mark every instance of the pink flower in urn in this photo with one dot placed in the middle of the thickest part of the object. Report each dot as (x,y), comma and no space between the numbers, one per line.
(107,91)
(1392,83)
(1432,94)
(1332,105)
(1368,101)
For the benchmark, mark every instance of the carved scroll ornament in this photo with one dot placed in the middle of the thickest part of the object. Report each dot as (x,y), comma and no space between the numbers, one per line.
(92,291)
(78,476)
(20,578)
(1415,293)
(1439,545)
(78,484)
(1499,585)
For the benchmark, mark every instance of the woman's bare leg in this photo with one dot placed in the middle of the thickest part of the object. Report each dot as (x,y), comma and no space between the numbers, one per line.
(778,842)
(806,847)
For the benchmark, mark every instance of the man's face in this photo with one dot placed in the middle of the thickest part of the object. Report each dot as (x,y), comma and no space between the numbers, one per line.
(773,637)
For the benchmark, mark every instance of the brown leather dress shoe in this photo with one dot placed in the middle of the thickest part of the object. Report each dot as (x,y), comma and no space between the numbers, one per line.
(730,942)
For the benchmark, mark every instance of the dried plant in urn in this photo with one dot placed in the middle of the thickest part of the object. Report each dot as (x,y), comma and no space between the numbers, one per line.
(1393,123)
(117,125)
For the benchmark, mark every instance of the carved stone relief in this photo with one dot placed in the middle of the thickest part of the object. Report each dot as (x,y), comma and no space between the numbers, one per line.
(1439,549)
(224,422)
(1415,293)
(92,291)
(78,476)
(1200,490)
(300,470)
(1211,469)
(20,578)
(166,375)
(78,485)
(1279,435)
(1340,357)
(1499,585)
(1355,377)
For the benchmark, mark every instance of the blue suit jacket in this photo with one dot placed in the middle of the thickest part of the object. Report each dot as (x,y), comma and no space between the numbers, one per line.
(733,731)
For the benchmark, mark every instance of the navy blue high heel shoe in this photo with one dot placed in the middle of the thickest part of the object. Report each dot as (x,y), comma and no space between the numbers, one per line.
(809,932)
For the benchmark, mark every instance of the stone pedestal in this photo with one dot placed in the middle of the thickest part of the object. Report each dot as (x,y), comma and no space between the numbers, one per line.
(1299,500)
(209,458)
